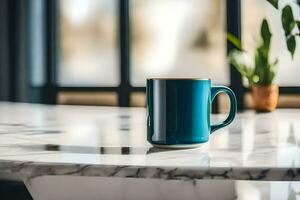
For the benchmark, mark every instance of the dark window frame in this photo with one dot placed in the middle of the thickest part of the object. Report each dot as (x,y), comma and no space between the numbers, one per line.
(48,93)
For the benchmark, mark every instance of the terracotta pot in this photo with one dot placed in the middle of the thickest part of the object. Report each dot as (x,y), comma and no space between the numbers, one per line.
(265,97)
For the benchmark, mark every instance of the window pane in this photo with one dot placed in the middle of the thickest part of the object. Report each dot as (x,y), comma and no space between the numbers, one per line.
(138,99)
(88,98)
(178,38)
(37,49)
(88,40)
(253,13)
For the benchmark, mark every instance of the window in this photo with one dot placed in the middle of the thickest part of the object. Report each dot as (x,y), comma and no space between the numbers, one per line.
(158,37)
(288,68)
(181,38)
(89,54)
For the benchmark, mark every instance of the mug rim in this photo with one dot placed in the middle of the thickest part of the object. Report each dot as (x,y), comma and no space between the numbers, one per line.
(179,78)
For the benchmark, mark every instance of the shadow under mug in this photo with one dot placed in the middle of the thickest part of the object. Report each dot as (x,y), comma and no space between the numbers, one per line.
(178,111)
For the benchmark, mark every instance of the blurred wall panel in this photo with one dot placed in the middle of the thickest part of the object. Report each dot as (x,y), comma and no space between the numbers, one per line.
(13,50)
(4,79)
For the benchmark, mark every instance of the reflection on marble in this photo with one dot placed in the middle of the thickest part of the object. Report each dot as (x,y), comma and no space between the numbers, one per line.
(262,190)
(38,140)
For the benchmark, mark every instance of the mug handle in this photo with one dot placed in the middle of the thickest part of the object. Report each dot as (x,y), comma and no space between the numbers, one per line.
(215,90)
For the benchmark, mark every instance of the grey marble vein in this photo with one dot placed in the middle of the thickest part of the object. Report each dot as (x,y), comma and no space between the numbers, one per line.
(34,169)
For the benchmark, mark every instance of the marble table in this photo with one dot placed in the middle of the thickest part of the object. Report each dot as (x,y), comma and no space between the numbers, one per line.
(85,152)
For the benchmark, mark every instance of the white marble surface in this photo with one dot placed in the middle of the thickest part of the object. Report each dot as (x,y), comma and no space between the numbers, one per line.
(39,140)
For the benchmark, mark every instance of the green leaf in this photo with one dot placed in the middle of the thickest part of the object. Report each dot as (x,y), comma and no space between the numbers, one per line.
(235,41)
(274,3)
(265,33)
(298,24)
(275,62)
(298,2)
(291,44)
(287,20)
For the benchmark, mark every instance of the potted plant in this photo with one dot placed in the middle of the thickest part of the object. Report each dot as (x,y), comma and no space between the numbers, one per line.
(259,70)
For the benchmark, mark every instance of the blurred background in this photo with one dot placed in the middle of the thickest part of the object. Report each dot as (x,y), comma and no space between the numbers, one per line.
(100,52)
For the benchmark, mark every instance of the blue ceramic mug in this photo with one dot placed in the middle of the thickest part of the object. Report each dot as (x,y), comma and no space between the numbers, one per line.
(178,111)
